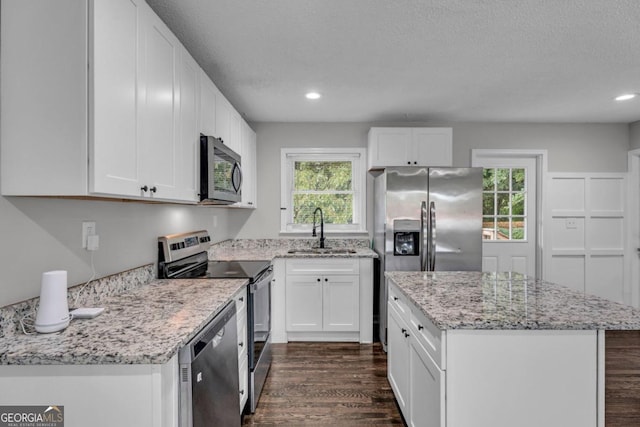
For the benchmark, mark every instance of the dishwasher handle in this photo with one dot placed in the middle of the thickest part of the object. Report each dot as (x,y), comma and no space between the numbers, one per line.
(211,333)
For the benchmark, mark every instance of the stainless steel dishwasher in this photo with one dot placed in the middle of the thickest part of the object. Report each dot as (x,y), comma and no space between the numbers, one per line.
(209,384)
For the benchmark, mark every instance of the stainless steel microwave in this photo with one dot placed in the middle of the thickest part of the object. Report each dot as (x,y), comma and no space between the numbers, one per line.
(220,172)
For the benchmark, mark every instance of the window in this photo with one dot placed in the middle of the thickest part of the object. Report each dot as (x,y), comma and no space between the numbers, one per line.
(503,204)
(332,179)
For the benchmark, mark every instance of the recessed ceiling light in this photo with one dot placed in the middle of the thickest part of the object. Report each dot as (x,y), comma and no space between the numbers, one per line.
(313,95)
(626,97)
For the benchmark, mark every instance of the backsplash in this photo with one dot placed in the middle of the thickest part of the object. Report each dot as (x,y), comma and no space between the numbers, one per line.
(291,243)
(78,296)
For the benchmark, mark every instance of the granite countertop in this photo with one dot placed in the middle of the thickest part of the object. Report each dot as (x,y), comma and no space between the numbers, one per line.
(476,300)
(145,326)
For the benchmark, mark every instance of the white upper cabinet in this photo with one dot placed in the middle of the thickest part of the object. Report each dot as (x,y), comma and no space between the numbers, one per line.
(208,93)
(189,133)
(249,167)
(409,147)
(228,123)
(116,142)
(99,98)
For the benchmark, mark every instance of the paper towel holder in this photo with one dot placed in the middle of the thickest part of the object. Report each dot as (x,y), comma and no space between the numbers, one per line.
(53,311)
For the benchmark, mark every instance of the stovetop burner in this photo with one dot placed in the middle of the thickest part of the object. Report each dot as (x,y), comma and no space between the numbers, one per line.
(184,256)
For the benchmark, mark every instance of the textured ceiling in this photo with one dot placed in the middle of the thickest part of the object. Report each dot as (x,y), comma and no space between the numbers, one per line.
(417,60)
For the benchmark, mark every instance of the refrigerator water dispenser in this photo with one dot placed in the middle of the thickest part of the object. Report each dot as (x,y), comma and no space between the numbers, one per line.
(406,237)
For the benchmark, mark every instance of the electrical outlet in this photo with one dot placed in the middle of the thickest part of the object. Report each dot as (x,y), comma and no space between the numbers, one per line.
(571,223)
(88,229)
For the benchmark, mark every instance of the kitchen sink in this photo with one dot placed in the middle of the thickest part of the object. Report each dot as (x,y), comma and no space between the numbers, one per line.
(321,251)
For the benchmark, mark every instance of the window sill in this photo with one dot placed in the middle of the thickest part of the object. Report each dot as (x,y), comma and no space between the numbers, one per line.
(357,233)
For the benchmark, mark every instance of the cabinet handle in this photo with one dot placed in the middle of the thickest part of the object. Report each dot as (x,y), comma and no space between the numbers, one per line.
(241,299)
(415,163)
(241,392)
(326,280)
(144,189)
(318,279)
(403,330)
(153,189)
(395,298)
(241,344)
(408,163)
(420,327)
(406,335)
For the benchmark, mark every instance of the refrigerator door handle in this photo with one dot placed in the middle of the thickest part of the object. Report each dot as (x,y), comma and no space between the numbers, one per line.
(432,236)
(424,246)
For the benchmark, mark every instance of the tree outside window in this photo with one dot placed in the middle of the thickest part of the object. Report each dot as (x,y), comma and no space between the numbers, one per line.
(332,179)
(504,204)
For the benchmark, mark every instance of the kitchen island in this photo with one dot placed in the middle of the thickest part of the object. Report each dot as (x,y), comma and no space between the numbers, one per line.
(484,349)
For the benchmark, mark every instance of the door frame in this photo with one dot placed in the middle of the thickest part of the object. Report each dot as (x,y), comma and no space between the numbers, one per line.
(540,157)
(632,283)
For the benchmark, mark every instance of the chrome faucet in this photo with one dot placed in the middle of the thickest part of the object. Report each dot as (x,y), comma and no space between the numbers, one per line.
(313,233)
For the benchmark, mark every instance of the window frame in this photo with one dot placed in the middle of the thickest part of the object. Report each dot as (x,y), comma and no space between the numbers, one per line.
(357,156)
(510,193)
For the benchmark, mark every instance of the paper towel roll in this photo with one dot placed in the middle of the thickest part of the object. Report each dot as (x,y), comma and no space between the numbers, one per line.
(53,311)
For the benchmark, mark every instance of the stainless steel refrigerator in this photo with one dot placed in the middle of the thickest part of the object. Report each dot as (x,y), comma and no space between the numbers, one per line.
(426,219)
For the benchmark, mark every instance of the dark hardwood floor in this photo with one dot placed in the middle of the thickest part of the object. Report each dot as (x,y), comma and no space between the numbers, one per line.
(331,384)
(622,378)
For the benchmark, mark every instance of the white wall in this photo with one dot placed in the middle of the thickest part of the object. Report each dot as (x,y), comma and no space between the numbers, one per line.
(571,148)
(634,135)
(38,235)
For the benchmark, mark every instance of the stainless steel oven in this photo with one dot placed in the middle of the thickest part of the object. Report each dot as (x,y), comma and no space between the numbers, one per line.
(259,324)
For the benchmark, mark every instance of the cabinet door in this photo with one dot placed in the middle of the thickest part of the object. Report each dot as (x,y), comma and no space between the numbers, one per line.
(207,105)
(116,88)
(432,147)
(341,303)
(398,360)
(249,171)
(304,303)
(223,117)
(235,130)
(189,136)
(389,147)
(160,153)
(426,389)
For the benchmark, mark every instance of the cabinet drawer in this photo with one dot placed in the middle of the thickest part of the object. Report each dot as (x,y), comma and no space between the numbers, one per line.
(427,334)
(399,303)
(323,266)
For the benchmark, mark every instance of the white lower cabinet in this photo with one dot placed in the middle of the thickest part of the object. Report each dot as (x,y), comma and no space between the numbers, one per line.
(323,300)
(426,388)
(398,368)
(490,378)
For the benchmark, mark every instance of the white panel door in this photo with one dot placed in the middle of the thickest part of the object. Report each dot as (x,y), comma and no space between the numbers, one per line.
(390,146)
(160,155)
(189,136)
(509,214)
(398,359)
(207,105)
(116,82)
(427,392)
(341,302)
(304,303)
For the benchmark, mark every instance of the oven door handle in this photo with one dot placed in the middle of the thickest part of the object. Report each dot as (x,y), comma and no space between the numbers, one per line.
(264,281)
